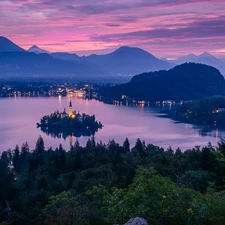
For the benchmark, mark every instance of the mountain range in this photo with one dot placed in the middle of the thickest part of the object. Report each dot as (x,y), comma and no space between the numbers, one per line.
(125,61)
(204,58)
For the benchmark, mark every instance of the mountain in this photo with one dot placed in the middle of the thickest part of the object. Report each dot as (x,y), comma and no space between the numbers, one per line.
(37,50)
(8,46)
(128,61)
(187,58)
(66,56)
(205,58)
(222,59)
(184,82)
(32,64)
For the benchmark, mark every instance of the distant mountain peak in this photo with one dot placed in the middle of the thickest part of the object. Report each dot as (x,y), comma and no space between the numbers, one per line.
(37,50)
(2,37)
(206,54)
(34,46)
(191,54)
(129,61)
(128,48)
(124,47)
(132,51)
(204,58)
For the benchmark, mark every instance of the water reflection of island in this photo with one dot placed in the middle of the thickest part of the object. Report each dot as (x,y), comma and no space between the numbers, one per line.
(63,125)
(67,132)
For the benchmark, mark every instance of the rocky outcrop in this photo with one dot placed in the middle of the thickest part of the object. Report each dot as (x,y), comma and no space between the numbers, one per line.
(136,221)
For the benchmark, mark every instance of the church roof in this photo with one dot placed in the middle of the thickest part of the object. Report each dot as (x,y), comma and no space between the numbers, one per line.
(70,103)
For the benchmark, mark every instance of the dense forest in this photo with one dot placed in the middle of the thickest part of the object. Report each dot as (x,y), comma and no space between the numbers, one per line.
(102,184)
(184,82)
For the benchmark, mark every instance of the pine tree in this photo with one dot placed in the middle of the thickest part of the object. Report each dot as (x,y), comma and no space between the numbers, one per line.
(16,158)
(24,150)
(126,145)
(40,146)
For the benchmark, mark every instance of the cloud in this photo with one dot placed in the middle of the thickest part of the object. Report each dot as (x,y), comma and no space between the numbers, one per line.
(198,29)
(77,25)
(111,25)
(75,40)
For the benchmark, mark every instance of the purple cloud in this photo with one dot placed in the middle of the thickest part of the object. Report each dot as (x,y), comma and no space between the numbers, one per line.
(96,25)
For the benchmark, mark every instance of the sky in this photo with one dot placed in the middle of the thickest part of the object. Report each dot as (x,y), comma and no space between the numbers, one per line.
(166,28)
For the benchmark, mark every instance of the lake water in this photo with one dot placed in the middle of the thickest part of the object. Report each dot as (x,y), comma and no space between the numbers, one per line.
(18,118)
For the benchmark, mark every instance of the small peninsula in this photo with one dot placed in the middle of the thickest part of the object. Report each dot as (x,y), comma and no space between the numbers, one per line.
(69,123)
(208,111)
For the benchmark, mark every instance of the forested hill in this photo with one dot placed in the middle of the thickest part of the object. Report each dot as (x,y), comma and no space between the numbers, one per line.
(108,184)
(183,82)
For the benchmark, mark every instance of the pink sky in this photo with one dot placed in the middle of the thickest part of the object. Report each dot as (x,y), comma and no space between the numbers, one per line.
(166,28)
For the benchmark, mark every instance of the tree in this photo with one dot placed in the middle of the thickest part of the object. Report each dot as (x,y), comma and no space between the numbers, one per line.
(77,144)
(169,151)
(64,209)
(10,155)
(126,145)
(139,148)
(138,145)
(155,198)
(206,156)
(88,144)
(42,183)
(78,162)
(5,157)
(24,150)
(221,145)
(178,152)
(93,143)
(40,146)
(62,156)
(16,158)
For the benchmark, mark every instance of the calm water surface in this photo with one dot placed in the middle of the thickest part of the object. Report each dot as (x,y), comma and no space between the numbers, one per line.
(18,118)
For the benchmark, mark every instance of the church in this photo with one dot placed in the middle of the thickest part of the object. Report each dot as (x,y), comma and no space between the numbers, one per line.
(71,113)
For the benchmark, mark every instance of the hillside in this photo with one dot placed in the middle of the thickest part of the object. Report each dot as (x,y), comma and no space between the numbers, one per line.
(65,56)
(31,64)
(183,82)
(104,184)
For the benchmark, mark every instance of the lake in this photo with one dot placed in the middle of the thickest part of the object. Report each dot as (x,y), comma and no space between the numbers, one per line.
(18,118)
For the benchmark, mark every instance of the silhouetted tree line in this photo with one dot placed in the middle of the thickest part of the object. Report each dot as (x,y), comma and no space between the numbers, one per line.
(109,183)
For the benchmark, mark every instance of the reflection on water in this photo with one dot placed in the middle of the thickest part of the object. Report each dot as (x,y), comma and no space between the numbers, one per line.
(65,133)
(20,115)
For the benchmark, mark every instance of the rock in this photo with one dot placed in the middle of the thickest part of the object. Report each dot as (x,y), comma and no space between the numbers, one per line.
(136,221)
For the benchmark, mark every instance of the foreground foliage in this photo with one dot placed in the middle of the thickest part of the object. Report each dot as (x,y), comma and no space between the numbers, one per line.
(106,184)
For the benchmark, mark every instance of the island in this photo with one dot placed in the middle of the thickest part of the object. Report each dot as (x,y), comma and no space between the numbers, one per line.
(62,124)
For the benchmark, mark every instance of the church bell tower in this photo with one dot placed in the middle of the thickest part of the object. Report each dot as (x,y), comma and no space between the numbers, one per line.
(70,113)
